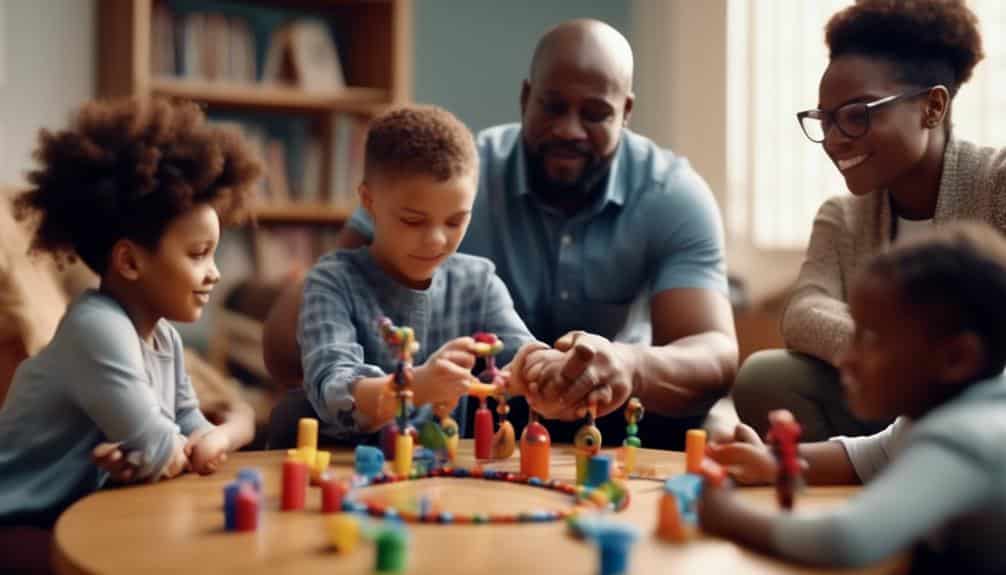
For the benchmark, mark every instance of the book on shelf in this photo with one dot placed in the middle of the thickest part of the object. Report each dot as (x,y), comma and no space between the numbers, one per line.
(349,134)
(310,181)
(314,56)
(235,43)
(276,174)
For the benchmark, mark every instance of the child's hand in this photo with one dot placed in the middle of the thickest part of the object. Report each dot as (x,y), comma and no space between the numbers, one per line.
(207,449)
(745,456)
(445,376)
(109,457)
(177,462)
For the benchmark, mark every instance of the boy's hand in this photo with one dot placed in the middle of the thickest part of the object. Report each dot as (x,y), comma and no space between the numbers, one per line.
(445,376)
(207,449)
(745,456)
(178,461)
(109,457)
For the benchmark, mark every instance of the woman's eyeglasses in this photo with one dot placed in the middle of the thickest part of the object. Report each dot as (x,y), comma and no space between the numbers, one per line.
(852,119)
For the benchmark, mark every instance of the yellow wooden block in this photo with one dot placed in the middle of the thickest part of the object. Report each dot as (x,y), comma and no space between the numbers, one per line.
(628,459)
(321,461)
(403,454)
(307,433)
(343,532)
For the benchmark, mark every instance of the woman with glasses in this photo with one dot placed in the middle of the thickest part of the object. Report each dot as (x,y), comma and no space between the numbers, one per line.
(884,111)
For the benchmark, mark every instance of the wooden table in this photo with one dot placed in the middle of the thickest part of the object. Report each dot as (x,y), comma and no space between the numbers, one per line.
(177,526)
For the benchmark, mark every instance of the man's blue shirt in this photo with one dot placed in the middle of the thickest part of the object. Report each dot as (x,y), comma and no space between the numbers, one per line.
(656,227)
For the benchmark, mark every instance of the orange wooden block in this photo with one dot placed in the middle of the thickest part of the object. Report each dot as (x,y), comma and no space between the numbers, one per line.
(670,525)
(695,450)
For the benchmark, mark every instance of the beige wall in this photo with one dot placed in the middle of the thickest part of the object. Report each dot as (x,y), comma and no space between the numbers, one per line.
(48,69)
(681,89)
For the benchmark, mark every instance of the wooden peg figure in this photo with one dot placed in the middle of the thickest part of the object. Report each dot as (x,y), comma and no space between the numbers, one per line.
(633,415)
(402,341)
(490,382)
(783,437)
(535,449)
(505,440)
(587,443)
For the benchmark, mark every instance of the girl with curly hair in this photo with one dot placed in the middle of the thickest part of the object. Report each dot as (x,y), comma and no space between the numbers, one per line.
(137,190)
(884,117)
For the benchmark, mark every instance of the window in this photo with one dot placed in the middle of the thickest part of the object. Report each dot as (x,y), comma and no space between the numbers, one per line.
(776,178)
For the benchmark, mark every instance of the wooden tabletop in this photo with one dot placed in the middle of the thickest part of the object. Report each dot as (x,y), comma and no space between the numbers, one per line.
(177,526)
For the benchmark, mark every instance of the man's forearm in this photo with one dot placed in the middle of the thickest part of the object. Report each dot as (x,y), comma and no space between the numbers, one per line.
(684,377)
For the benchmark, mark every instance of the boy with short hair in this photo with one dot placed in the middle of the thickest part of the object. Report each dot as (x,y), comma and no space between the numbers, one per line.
(420,180)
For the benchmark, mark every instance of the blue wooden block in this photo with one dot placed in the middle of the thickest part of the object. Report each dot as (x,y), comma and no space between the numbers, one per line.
(230,505)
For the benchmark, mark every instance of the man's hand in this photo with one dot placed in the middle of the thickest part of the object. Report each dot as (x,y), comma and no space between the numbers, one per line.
(207,450)
(543,366)
(445,376)
(109,457)
(597,371)
(530,356)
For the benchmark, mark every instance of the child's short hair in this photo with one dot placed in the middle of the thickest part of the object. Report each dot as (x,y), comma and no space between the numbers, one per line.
(960,271)
(126,169)
(419,140)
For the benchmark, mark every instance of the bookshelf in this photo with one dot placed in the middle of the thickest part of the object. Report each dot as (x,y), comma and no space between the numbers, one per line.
(373,41)
(240,60)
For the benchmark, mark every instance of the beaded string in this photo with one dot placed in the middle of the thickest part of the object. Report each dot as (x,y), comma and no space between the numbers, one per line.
(608,497)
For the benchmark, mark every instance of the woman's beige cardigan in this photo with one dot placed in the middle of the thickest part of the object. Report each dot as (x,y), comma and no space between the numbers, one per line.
(848,230)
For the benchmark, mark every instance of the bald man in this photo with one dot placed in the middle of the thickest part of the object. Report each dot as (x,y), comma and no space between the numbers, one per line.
(607,243)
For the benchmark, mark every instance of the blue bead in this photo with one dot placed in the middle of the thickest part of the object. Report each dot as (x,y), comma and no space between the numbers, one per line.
(534,481)
(446,517)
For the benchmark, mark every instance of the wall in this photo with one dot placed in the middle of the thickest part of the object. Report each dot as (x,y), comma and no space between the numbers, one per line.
(681,88)
(471,55)
(48,54)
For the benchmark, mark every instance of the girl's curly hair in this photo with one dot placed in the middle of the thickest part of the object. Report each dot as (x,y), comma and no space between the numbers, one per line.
(929,42)
(126,169)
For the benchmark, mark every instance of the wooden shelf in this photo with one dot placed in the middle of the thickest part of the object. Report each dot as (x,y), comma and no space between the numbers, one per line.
(302,214)
(271,97)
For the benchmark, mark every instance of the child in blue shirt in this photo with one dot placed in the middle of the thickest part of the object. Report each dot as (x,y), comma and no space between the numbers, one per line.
(929,348)
(420,180)
(137,191)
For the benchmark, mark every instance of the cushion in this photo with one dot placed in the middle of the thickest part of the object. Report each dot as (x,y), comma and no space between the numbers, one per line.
(31,301)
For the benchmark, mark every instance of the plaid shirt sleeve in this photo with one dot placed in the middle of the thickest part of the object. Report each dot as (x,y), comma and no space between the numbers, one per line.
(332,357)
(500,317)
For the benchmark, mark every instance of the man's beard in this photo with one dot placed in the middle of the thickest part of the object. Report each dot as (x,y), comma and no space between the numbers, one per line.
(553,191)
